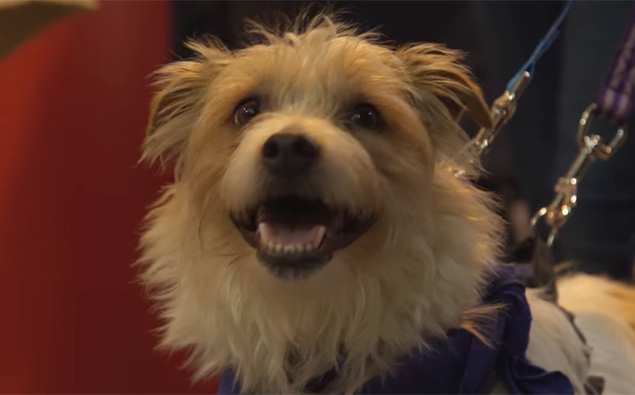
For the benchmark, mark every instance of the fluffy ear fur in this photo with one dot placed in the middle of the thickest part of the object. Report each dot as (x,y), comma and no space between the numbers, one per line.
(436,69)
(182,87)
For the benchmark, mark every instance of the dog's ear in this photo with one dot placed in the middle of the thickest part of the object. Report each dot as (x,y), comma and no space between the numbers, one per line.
(436,69)
(182,87)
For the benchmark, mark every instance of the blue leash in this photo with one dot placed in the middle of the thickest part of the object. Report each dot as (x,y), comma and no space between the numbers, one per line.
(504,107)
(542,47)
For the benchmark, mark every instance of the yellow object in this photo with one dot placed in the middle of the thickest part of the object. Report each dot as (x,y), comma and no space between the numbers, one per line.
(22,19)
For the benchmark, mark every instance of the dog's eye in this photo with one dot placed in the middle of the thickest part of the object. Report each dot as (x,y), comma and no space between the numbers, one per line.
(364,116)
(246,111)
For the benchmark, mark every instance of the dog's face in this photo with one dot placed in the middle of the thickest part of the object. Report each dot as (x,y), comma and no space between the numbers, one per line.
(323,135)
(305,143)
(313,210)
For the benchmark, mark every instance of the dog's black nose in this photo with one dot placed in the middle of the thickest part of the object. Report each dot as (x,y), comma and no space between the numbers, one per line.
(289,154)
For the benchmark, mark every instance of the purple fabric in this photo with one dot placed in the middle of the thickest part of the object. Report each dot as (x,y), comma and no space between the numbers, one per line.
(464,365)
(615,97)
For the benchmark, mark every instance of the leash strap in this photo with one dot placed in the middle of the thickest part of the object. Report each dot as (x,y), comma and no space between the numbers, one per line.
(543,46)
(504,107)
(615,101)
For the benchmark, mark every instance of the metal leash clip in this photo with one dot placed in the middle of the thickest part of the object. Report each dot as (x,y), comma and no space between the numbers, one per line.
(504,107)
(591,148)
(502,111)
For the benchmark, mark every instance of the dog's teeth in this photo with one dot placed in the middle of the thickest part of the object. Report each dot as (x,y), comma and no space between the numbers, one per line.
(319,236)
(269,244)
(264,234)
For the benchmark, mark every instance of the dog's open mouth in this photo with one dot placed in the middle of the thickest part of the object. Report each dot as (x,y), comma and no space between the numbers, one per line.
(295,236)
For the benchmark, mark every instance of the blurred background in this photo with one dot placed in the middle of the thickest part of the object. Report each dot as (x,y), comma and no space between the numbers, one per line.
(74,94)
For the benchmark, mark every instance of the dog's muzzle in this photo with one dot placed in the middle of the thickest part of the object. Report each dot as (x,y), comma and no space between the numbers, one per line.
(293,231)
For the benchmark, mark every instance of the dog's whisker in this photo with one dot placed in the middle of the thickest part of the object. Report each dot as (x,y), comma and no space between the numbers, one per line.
(227,255)
(202,219)
(236,259)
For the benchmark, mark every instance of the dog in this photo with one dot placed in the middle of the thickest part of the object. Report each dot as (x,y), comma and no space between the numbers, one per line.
(317,228)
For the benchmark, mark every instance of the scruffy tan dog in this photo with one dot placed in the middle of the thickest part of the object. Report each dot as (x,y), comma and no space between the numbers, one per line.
(315,211)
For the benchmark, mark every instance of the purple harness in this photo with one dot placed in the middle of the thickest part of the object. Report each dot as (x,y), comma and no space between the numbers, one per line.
(462,364)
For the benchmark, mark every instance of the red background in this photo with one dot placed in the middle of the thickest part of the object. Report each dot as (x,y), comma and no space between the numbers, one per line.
(73,108)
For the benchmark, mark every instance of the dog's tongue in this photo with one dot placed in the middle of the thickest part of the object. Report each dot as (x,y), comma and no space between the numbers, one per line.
(275,233)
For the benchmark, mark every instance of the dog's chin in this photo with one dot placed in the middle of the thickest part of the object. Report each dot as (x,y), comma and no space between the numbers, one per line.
(295,236)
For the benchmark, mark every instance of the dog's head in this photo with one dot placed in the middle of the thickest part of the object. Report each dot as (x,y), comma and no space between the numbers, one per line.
(313,165)
(308,140)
